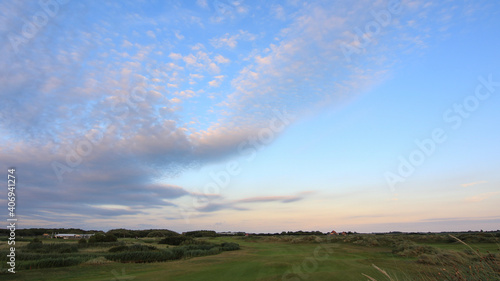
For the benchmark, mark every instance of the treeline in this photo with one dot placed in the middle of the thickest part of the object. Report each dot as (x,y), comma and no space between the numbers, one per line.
(119,233)
(300,232)
(201,233)
(127,233)
(50,231)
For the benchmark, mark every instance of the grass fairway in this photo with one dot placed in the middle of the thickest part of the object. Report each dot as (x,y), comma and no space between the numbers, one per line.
(259,259)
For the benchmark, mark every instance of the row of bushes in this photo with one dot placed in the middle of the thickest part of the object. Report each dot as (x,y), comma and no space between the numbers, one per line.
(175,240)
(53,262)
(201,233)
(36,246)
(145,254)
(61,248)
(24,256)
(132,248)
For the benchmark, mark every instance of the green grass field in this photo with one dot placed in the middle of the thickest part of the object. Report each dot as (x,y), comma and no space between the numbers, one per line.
(262,258)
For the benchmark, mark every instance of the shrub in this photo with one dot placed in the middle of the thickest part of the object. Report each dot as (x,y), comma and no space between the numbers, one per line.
(54,262)
(132,248)
(410,249)
(230,246)
(82,241)
(143,256)
(102,238)
(196,242)
(51,248)
(118,249)
(174,240)
(368,242)
(36,241)
(100,244)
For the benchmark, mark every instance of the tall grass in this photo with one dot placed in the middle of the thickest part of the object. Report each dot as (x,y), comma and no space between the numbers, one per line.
(468,265)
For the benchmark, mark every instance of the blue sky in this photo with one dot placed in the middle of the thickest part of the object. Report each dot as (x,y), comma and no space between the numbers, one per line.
(257,116)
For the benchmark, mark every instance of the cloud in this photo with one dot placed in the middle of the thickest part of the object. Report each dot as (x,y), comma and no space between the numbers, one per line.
(481,197)
(217,81)
(231,41)
(151,34)
(213,207)
(283,199)
(278,12)
(220,203)
(221,59)
(473,183)
(201,61)
(91,115)
(127,44)
(202,3)
(178,35)
(175,56)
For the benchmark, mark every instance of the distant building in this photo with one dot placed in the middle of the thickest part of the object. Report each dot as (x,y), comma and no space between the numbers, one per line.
(73,236)
(333,233)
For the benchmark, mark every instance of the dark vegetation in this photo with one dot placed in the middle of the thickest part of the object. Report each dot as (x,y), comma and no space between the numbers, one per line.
(201,233)
(41,253)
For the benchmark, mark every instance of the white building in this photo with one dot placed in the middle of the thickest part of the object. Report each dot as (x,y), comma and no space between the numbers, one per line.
(73,236)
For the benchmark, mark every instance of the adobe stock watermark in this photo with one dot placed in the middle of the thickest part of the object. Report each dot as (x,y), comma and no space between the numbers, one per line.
(309,264)
(83,148)
(31,27)
(248,151)
(454,118)
(372,28)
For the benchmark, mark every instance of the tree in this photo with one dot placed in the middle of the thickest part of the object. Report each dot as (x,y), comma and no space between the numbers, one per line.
(110,238)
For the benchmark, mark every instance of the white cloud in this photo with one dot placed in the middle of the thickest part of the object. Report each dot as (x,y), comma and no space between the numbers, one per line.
(201,61)
(127,44)
(221,59)
(151,34)
(278,12)
(175,100)
(197,76)
(217,81)
(231,41)
(481,197)
(178,35)
(175,56)
(473,183)
(189,59)
(202,3)
(186,94)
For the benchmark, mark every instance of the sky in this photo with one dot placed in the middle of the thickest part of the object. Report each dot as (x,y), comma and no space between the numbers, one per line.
(255,116)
